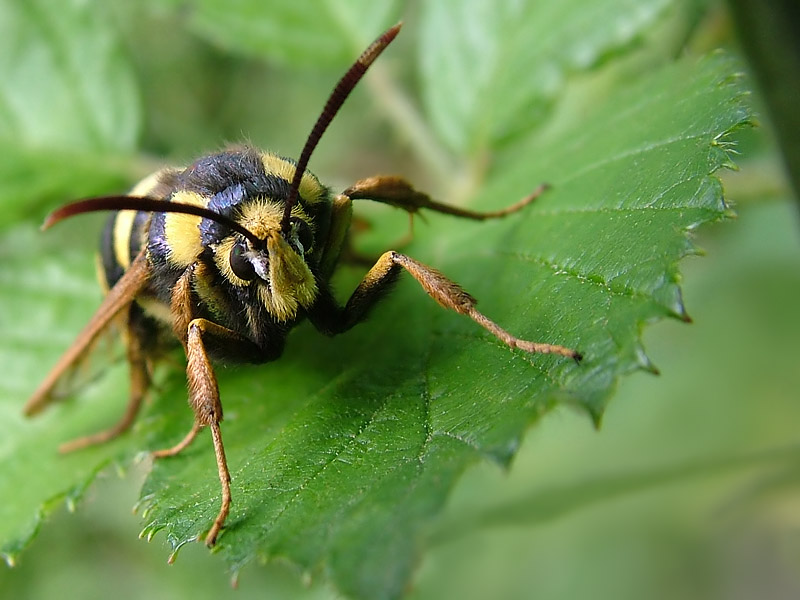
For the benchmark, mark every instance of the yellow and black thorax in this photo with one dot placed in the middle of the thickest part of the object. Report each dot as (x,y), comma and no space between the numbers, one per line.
(256,292)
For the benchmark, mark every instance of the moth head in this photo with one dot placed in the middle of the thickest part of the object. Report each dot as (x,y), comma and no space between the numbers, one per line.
(276,266)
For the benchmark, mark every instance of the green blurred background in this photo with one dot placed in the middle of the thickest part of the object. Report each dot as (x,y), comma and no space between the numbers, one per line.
(689,489)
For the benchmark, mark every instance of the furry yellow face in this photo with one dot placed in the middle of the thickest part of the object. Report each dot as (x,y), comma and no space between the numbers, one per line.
(278,270)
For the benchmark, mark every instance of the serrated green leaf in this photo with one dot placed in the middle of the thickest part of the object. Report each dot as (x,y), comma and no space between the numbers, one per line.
(344,450)
(491,69)
(313,33)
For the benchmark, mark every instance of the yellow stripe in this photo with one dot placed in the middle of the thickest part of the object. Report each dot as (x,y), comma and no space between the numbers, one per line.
(311,190)
(123,224)
(122,237)
(182,232)
(146,186)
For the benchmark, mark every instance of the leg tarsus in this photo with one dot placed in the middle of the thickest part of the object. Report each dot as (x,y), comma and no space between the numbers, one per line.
(222,468)
(107,435)
(450,295)
(100,437)
(225,481)
(206,405)
(515,342)
(180,446)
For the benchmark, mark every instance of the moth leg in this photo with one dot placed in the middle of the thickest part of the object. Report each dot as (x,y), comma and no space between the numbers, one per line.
(398,192)
(139,382)
(180,446)
(205,402)
(331,319)
(202,383)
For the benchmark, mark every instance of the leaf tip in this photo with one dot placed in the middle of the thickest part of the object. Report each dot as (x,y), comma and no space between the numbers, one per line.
(145,503)
(644,363)
(597,417)
(176,547)
(676,307)
(149,532)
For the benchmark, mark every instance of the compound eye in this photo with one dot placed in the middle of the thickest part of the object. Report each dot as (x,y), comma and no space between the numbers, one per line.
(240,266)
(304,233)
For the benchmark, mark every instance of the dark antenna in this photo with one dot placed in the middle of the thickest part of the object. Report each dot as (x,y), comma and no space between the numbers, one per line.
(146,205)
(332,106)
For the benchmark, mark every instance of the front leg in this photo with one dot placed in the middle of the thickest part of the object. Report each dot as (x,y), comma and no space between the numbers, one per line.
(205,402)
(202,383)
(329,318)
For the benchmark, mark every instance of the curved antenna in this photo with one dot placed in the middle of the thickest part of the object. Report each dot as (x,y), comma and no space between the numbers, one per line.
(147,205)
(332,106)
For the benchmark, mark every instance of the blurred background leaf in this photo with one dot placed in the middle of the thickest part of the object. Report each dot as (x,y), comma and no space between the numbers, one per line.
(315,33)
(70,111)
(714,436)
(491,70)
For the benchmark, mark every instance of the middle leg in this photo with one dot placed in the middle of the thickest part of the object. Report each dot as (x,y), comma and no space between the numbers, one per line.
(397,191)
(331,319)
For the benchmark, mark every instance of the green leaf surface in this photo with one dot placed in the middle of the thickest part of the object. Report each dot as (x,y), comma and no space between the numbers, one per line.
(42,301)
(312,33)
(68,103)
(344,450)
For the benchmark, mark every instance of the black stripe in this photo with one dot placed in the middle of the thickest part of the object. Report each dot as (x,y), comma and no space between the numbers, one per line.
(112,270)
(139,230)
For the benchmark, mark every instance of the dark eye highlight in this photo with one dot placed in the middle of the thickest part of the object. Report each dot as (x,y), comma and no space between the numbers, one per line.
(240,266)
(305,235)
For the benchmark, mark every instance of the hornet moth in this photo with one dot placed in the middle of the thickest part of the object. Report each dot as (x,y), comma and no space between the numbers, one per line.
(227,255)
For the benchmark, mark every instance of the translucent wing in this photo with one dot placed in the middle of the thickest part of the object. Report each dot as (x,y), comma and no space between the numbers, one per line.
(119,297)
